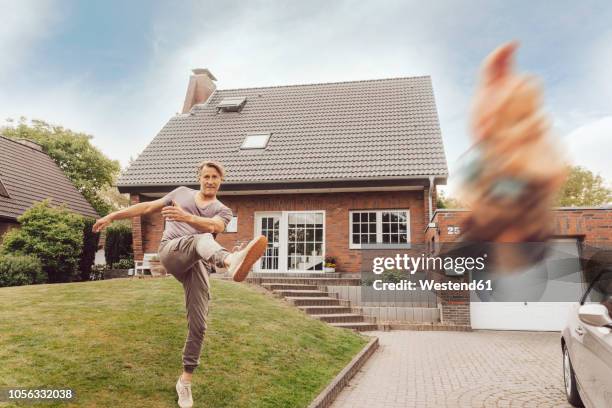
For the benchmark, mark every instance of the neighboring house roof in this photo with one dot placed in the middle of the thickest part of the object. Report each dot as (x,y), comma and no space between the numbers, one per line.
(360,130)
(30,175)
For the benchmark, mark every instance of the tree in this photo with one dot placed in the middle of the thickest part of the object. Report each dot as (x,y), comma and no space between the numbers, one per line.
(86,166)
(583,189)
(114,198)
(442,201)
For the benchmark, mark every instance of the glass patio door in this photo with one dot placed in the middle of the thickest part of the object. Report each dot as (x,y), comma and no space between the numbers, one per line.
(296,241)
(269,226)
(305,241)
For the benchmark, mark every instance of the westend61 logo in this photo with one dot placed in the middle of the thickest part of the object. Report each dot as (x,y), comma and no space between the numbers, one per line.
(399,264)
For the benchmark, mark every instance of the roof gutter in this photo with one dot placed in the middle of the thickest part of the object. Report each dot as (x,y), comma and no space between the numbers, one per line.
(289,184)
(431,187)
(227,184)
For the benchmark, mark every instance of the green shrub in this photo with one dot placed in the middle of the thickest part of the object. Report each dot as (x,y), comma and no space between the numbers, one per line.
(390,276)
(90,246)
(125,263)
(17,270)
(118,242)
(54,235)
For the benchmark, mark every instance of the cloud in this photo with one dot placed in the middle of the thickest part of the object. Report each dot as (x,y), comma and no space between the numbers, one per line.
(253,45)
(589,145)
(596,82)
(268,43)
(22,24)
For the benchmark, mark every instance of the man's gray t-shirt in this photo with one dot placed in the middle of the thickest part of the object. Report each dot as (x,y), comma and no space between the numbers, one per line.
(185,198)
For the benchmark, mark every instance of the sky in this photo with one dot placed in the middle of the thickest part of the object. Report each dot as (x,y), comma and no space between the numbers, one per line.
(118,70)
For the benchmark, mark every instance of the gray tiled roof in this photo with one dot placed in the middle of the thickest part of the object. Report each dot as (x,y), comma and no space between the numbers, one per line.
(29,176)
(359,130)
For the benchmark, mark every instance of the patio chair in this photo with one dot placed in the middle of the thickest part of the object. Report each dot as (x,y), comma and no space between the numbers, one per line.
(145,265)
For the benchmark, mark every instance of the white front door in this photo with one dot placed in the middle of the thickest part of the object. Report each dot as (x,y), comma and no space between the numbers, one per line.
(296,241)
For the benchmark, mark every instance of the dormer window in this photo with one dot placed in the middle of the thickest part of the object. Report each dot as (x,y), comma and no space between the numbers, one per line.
(231,104)
(256,141)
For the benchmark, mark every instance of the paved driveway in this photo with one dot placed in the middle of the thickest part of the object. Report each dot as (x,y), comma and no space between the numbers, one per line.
(456,369)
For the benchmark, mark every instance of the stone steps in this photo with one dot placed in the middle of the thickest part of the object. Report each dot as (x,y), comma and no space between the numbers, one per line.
(309,295)
(341,317)
(317,310)
(313,301)
(364,326)
(299,293)
(304,281)
(287,286)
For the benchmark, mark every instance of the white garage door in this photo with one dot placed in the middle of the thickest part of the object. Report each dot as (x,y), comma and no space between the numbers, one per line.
(560,280)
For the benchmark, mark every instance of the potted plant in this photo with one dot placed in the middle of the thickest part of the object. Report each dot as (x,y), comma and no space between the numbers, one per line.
(330,264)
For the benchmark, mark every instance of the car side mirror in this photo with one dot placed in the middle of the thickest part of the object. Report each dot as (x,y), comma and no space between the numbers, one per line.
(595,315)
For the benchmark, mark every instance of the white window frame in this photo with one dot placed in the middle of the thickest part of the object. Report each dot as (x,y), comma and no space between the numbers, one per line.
(283,252)
(379,233)
(282,237)
(263,139)
(232,225)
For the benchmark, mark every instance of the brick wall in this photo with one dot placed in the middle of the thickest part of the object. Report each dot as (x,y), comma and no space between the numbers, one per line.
(593,227)
(137,237)
(148,230)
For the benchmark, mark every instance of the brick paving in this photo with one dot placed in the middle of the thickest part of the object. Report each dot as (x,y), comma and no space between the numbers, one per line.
(459,369)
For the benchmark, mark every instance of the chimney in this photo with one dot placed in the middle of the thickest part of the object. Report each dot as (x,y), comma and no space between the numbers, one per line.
(30,144)
(200,87)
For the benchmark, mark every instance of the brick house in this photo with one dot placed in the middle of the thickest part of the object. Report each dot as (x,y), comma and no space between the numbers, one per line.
(328,170)
(321,169)
(27,176)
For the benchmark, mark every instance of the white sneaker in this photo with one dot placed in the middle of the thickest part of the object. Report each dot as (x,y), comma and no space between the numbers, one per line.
(240,262)
(185,400)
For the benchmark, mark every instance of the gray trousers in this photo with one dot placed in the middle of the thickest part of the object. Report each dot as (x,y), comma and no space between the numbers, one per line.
(189,259)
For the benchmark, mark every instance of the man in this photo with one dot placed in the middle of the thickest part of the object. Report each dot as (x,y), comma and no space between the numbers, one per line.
(188,251)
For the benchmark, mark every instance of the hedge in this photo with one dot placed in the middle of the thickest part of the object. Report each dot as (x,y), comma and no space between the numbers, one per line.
(118,242)
(17,270)
(90,246)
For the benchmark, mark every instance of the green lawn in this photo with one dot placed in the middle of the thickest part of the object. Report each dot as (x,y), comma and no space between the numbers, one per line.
(118,343)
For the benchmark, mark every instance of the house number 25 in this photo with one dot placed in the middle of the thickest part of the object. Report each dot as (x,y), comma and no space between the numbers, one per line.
(453,230)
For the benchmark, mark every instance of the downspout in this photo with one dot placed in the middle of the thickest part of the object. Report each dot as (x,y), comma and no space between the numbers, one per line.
(431,187)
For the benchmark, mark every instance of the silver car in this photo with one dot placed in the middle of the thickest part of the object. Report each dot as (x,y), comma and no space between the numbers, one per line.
(586,342)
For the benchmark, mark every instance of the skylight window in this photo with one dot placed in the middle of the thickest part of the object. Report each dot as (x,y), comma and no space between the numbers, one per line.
(231,104)
(256,141)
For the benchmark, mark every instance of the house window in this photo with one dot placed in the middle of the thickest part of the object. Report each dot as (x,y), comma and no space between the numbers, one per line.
(388,228)
(364,228)
(256,141)
(394,227)
(231,104)
(232,226)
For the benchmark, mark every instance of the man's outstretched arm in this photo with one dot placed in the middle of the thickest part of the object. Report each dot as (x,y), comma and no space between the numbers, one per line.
(129,212)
